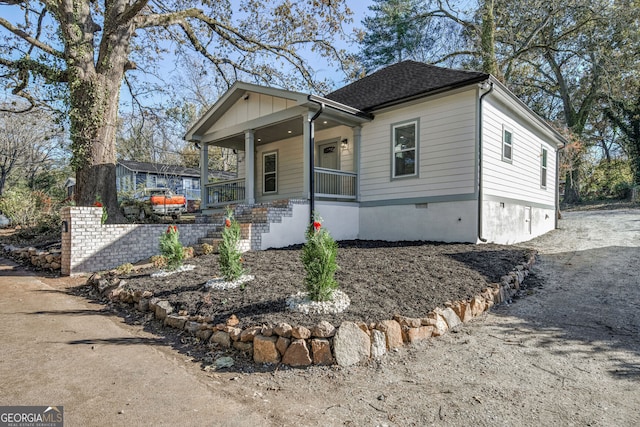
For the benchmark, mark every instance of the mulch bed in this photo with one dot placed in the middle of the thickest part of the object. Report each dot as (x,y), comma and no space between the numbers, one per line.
(381,279)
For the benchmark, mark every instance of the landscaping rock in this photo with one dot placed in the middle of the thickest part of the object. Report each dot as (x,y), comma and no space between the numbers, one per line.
(234,333)
(378,343)
(297,354)
(246,347)
(163,309)
(192,327)
(266,330)
(351,344)
(393,332)
(321,349)
(282,344)
(249,334)
(175,321)
(420,333)
(477,306)
(438,322)
(264,350)
(204,334)
(283,330)
(409,322)
(221,338)
(143,305)
(300,332)
(323,329)
(450,317)
(233,320)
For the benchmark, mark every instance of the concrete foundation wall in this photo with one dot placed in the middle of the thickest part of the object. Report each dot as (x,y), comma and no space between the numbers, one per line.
(341,219)
(442,222)
(89,246)
(510,222)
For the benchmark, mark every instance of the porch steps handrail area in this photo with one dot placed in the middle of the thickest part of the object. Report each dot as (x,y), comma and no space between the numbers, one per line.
(254,220)
(225,192)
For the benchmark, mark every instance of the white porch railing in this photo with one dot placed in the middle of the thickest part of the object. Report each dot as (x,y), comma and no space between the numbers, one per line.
(335,184)
(329,183)
(225,193)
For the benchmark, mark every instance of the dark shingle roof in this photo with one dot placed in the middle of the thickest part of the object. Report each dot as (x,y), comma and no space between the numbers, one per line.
(401,82)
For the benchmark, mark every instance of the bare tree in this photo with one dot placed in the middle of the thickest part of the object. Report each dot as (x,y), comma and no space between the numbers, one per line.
(28,143)
(87,48)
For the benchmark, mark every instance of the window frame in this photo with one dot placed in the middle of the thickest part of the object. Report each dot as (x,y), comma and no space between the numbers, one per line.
(265,173)
(416,149)
(506,129)
(544,169)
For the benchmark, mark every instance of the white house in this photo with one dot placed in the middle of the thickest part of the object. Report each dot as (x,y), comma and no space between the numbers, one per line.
(411,152)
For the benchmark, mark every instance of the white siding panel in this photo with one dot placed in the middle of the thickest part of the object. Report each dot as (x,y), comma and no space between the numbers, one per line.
(520,179)
(257,105)
(446,152)
(290,169)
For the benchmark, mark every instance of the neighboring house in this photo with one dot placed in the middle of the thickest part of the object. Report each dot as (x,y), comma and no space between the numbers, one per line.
(411,152)
(132,175)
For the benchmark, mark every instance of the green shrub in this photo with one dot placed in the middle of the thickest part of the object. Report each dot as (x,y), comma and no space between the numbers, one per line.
(230,257)
(319,260)
(171,248)
(124,268)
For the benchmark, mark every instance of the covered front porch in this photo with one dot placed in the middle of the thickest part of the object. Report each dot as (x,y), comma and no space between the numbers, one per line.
(288,144)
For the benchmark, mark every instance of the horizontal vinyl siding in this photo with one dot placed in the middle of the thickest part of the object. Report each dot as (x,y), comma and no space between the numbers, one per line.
(338,133)
(520,179)
(290,169)
(446,164)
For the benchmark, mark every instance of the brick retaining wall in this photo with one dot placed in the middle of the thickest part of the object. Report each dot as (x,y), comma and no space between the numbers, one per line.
(89,246)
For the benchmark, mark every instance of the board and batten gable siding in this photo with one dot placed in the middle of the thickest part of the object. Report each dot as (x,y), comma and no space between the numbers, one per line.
(520,178)
(447,150)
(257,105)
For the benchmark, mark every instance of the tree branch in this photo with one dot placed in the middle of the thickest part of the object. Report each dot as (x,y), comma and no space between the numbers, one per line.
(32,41)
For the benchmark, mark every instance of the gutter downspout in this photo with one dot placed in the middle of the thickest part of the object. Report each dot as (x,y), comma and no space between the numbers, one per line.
(482,239)
(312,195)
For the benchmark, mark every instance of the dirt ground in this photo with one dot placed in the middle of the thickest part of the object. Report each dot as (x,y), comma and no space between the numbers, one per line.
(566,354)
(380,278)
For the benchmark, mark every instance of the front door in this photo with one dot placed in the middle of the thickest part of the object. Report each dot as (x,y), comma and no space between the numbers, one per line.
(328,155)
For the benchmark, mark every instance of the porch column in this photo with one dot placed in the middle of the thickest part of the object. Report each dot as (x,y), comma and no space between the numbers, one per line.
(306,155)
(250,161)
(357,137)
(204,175)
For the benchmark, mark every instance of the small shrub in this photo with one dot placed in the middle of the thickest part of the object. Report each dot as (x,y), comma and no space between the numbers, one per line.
(159,261)
(124,268)
(171,247)
(189,252)
(319,260)
(230,256)
(207,249)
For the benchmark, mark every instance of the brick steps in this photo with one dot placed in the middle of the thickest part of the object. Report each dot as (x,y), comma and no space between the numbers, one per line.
(254,221)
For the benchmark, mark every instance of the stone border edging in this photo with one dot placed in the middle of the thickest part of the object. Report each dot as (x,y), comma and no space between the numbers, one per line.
(324,344)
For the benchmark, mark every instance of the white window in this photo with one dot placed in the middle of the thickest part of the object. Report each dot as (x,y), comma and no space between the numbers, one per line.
(270,172)
(405,149)
(507,144)
(543,168)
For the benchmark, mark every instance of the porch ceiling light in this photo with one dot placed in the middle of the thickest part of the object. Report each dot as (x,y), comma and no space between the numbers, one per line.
(345,143)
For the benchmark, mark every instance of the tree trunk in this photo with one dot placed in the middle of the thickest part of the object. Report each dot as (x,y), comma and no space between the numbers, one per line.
(94,104)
